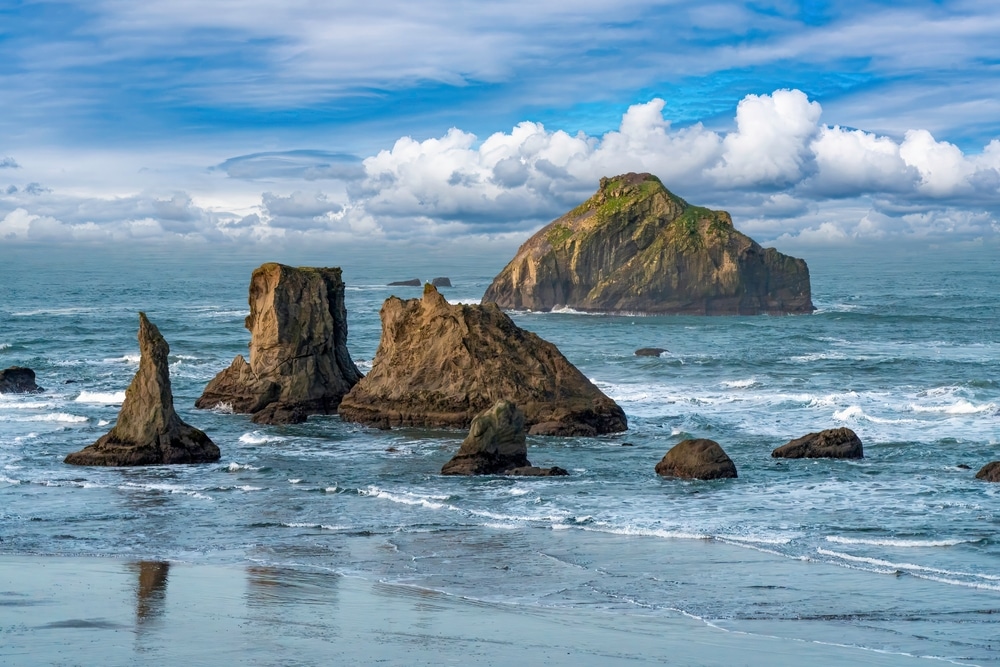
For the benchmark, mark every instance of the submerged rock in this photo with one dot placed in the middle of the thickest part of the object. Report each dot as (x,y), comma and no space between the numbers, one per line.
(834,443)
(148,430)
(650,351)
(634,247)
(440,365)
(496,444)
(990,472)
(441,282)
(299,364)
(697,459)
(413,282)
(18,380)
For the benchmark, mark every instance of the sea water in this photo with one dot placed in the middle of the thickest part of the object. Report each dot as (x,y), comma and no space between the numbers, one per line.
(898,552)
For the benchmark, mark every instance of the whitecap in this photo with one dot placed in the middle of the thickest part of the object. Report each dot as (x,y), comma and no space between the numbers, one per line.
(223,409)
(912,568)
(319,526)
(124,359)
(8,480)
(891,542)
(258,438)
(294,481)
(62,417)
(103,422)
(960,407)
(740,384)
(364,365)
(4,346)
(646,532)
(236,467)
(101,397)
(405,498)
(167,488)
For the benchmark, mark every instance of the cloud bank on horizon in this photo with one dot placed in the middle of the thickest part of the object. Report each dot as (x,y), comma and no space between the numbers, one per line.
(204,142)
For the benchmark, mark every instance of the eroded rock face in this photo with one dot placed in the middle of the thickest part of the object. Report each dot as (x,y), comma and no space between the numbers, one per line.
(148,430)
(18,380)
(696,459)
(299,364)
(990,472)
(440,365)
(634,247)
(834,443)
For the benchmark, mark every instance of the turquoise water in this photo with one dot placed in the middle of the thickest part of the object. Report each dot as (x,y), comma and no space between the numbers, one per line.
(897,552)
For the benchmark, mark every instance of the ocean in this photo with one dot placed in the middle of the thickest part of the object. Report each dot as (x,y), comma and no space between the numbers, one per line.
(896,553)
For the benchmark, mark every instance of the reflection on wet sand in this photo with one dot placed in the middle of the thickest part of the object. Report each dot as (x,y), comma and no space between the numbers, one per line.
(274,585)
(151,590)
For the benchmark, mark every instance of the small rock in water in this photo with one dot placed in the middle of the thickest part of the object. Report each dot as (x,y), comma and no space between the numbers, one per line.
(650,351)
(18,380)
(697,459)
(834,443)
(441,282)
(413,282)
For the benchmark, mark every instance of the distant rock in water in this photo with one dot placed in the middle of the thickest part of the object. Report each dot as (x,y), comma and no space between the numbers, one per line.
(834,443)
(441,282)
(634,247)
(299,364)
(990,472)
(650,351)
(18,380)
(413,282)
(496,444)
(697,459)
(440,365)
(148,430)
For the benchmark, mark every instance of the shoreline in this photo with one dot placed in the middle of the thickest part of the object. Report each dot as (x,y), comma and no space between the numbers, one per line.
(110,611)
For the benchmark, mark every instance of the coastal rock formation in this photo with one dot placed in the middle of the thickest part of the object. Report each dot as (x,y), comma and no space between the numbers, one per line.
(148,430)
(299,364)
(990,472)
(440,365)
(696,459)
(441,282)
(650,351)
(834,443)
(634,247)
(18,380)
(496,444)
(413,282)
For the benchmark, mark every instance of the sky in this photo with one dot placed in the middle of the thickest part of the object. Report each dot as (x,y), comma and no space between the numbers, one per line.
(303,123)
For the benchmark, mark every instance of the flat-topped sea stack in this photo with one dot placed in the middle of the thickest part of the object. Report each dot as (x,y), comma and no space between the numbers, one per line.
(299,364)
(18,380)
(148,430)
(439,365)
(634,247)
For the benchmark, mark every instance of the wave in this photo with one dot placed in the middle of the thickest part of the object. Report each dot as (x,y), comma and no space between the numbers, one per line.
(960,407)
(61,417)
(16,402)
(223,409)
(318,526)
(8,480)
(124,359)
(5,346)
(258,438)
(645,532)
(236,467)
(856,413)
(740,384)
(912,568)
(407,498)
(100,398)
(890,542)
(165,488)
(364,365)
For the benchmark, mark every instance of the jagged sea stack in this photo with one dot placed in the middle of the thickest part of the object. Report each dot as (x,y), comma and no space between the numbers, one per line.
(634,247)
(148,430)
(440,365)
(299,364)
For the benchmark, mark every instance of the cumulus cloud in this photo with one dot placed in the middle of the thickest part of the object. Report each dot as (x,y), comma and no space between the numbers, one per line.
(781,171)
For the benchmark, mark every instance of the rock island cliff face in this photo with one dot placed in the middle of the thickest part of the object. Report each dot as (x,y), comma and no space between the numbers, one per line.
(439,364)
(299,363)
(634,247)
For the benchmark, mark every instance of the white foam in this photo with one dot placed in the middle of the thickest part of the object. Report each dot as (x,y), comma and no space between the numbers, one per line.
(856,413)
(406,498)
(740,384)
(8,480)
(125,359)
(258,438)
(8,402)
(518,490)
(101,397)
(908,567)
(888,542)
(319,526)
(61,417)
(960,407)
(646,532)
(236,467)
(223,409)
(168,488)
(4,346)
(294,481)
(753,539)
(103,422)
(364,365)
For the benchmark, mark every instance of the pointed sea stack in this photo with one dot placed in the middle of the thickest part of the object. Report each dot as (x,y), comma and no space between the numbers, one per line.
(440,365)
(634,247)
(148,430)
(299,364)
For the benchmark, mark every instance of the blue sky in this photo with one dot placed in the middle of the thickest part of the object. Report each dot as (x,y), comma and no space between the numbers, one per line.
(301,122)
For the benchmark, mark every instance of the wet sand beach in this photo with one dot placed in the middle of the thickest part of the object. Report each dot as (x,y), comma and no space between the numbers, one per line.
(89,611)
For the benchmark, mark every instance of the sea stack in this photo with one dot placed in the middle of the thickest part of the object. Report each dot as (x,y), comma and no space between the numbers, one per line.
(635,247)
(697,459)
(148,430)
(495,445)
(299,364)
(989,472)
(18,380)
(439,365)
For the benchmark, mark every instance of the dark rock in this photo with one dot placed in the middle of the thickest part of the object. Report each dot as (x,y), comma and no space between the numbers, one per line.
(495,444)
(649,351)
(532,471)
(439,365)
(964,466)
(990,472)
(18,380)
(441,282)
(634,247)
(697,459)
(148,430)
(834,443)
(299,364)
(413,282)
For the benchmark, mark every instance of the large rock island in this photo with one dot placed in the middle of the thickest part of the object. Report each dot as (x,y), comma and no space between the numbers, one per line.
(635,247)
(299,363)
(439,364)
